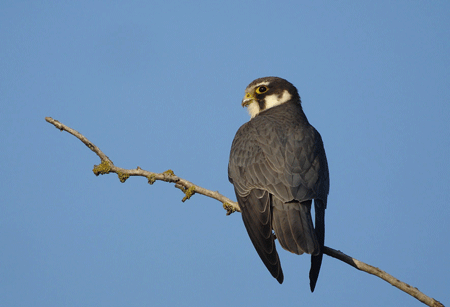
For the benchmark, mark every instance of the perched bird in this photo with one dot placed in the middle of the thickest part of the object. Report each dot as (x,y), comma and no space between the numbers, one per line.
(278,166)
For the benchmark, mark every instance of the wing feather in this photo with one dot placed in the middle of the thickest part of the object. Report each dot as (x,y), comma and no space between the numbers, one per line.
(257,217)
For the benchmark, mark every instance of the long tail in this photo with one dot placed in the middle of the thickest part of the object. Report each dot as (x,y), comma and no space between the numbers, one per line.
(293,227)
(316,261)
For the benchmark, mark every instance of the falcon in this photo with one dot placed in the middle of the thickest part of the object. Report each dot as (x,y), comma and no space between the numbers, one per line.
(278,167)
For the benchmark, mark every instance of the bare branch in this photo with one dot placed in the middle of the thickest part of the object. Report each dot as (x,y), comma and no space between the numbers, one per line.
(107,166)
(383,275)
(188,188)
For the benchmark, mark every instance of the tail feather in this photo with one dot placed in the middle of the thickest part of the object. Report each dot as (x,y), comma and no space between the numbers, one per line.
(316,260)
(293,226)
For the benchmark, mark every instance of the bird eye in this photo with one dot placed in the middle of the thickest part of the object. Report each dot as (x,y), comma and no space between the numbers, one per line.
(261,89)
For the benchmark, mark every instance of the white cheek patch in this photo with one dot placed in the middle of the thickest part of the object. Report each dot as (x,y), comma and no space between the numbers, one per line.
(253,109)
(275,100)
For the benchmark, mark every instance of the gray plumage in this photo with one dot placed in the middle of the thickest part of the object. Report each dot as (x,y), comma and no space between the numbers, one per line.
(278,166)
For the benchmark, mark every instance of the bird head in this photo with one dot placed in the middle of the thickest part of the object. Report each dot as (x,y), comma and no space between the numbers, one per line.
(268,92)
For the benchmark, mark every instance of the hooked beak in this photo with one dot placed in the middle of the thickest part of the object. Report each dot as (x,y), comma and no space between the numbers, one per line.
(248,99)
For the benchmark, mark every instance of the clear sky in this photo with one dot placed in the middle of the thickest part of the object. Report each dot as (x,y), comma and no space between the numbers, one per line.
(158,84)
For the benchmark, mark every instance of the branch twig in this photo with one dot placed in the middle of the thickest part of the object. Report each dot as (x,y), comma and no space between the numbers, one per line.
(107,166)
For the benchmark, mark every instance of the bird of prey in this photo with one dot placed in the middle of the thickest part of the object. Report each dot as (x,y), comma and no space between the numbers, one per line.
(278,167)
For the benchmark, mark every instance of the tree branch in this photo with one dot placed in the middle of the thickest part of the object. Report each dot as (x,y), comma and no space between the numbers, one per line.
(188,188)
(383,275)
(107,166)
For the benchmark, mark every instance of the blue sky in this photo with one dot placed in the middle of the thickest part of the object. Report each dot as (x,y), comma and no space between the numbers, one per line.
(159,85)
